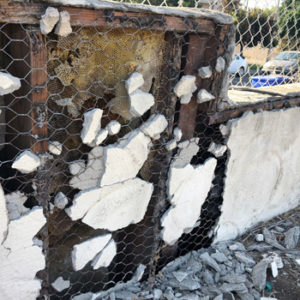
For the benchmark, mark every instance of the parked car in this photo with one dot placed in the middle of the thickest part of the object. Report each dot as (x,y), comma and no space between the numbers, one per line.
(286,63)
(238,65)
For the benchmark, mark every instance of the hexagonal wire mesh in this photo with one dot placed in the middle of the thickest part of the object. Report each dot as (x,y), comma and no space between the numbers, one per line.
(63,78)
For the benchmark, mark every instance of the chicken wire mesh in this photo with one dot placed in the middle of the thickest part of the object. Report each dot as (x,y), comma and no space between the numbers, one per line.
(76,84)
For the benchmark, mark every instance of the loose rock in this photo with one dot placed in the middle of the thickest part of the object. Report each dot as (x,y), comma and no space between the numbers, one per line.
(63,27)
(49,20)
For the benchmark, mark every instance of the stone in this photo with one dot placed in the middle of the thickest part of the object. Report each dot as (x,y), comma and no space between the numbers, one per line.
(15,205)
(234,287)
(140,102)
(217,149)
(219,257)
(84,252)
(205,72)
(259,274)
(208,277)
(63,28)
(8,83)
(204,96)
(177,133)
(292,237)
(20,259)
(113,127)
(101,136)
(180,275)
(55,147)
(64,102)
(112,207)
(60,200)
(189,284)
(259,237)
(26,162)
(91,125)
(134,82)
(157,293)
(171,145)
(60,284)
(234,278)
(76,167)
(246,296)
(237,247)
(244,258)
(185,87)
(154,126)
(209,261)
(105,257)
(188,149)
(274,269)
(272,177)
(89,176)
(220,64)
(124,295)
(271,239)
(49,20)
(267,298)
(3,216)
(259,247)
(187,190)
(219,297)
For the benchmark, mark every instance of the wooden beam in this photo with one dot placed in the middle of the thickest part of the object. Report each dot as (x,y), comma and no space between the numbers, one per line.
(224,116)
(30,13)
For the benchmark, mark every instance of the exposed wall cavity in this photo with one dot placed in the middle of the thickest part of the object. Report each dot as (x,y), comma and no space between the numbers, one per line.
(262,176)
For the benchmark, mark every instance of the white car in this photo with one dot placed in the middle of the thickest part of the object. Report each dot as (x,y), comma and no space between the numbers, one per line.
(238,65)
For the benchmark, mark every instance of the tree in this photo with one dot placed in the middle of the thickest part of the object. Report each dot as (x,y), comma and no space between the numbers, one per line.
(289,23)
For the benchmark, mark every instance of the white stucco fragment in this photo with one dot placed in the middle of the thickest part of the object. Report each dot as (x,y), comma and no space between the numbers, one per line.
(224,130)
(105,257)
(112,207)
(262,174)
(92,173)
(3,216)
(220,64)
(154,126)
(8,83)
(185,88)
(49,20)
(60,200)
(15,205)
(26,162)
(60,284)
(177,133)
(101,136)
(77,166)
(188,188)
(91,125)
(113,127)
(204,96)
(205,72)
(55,147)
(171,145)
(63,28)
(134,82)
(20,259)
(64,102)
(217,149)
(86,251)
(187,150)
(140,102)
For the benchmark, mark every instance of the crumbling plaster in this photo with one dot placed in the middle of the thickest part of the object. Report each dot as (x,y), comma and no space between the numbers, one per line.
(263,170)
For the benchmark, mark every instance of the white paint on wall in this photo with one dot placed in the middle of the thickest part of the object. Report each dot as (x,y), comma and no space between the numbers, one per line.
(263,170)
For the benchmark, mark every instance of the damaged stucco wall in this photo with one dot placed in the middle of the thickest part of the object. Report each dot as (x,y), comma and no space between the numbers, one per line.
(263,170)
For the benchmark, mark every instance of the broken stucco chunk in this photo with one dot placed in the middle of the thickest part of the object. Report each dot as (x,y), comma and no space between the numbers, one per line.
(20,259)
(220,64)
(113,127)
(134,82)
(171,145)
(177,133)
(263,166)
(188,149)
(63,28)
(26,162)
(105,257)
(60,284)
(64,102)
(217,149)
(91,174)
(60,200)
(101,136)
(8,83)
(154,126)
(204,96)
(15,205)
(112,207)
(49,20)
(205,72)
(140,102)
(55,147)
(3,216)
(77,167)
(86,251)
(91,125)
(185,88)
(188,188)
